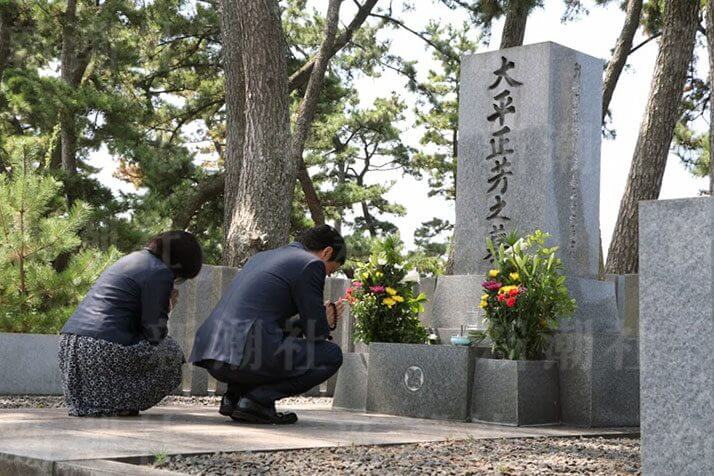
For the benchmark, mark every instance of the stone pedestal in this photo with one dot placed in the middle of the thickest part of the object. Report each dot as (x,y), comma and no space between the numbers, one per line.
(421,381)
(529,152)
(599,378)
(351,386)
(677,335)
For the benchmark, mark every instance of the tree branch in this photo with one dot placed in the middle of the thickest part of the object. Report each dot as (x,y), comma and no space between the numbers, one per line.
(653,37)
(306,112)
(623,48)
(206,191)
(300,77)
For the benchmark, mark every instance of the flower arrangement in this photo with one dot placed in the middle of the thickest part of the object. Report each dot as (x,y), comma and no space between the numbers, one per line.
(524,296)
(383,304)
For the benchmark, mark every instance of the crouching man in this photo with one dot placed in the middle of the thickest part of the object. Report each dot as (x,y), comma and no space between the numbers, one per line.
(245,342)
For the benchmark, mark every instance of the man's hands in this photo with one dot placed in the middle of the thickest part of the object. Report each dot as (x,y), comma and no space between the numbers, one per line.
(334,312)
(173,299)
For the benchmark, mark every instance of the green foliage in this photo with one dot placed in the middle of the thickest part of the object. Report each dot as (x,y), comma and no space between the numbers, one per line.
(524,298)
(384,305)
(36,227)
(692,149)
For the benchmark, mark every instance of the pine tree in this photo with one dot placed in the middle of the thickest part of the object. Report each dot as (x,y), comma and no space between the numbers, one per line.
(36,227)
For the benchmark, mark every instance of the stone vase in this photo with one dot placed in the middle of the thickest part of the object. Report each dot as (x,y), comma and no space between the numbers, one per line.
(423,381)
(516,392)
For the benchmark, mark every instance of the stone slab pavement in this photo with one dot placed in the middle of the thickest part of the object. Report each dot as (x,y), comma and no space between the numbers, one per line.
(48,438)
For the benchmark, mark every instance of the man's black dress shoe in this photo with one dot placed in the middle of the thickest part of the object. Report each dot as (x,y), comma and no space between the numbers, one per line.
(253,412)
(228,405)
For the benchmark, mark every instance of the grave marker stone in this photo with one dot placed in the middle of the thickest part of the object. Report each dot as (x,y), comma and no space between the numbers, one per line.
(529,149)
(677,331)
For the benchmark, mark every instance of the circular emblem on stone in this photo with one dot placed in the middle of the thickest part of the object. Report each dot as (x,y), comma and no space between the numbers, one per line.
(414,378)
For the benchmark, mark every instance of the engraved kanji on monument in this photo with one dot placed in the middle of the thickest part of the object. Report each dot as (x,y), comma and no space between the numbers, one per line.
(529,150)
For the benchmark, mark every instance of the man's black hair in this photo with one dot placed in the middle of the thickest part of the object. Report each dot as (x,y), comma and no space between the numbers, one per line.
(180,251)
(320,237)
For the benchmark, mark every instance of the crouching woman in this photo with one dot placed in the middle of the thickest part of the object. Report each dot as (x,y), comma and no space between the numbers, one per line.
(115,357)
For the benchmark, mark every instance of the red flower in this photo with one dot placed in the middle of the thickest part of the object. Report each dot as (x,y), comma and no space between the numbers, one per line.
(513,292)
(510,302)
(501,297)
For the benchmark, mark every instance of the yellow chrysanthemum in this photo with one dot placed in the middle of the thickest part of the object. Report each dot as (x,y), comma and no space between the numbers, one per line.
(389,302)
(493,273)
(514,276)
(365,275)
(507,289)
(379,274)
(483,304)
(484,297)
(398,298)
(391,291)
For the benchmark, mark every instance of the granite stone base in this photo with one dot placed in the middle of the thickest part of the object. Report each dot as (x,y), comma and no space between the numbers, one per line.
(351,386)
(516,392)
(29,364)
(420,381)
(599,379)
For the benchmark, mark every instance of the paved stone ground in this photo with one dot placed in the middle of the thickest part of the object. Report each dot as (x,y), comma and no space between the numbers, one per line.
(541,456)
(48,434)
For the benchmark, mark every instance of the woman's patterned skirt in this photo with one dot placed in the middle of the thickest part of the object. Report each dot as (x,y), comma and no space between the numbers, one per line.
(102,378)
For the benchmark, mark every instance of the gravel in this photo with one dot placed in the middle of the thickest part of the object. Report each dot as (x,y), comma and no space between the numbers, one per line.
(532,456)
(31,401)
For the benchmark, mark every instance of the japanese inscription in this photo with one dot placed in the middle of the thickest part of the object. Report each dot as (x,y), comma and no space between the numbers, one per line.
(503,108)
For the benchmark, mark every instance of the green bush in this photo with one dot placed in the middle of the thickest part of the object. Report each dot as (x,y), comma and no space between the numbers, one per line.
(36,227)
(525,295)
(384,306)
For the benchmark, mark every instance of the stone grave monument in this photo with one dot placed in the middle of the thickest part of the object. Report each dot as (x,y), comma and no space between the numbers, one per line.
(529,158)
(677,330)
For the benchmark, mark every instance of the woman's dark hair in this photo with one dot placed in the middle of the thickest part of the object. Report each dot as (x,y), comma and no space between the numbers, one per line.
(320,237)
(180,251)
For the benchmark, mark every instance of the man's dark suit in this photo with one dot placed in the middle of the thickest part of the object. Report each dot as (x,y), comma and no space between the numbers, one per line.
(243,341)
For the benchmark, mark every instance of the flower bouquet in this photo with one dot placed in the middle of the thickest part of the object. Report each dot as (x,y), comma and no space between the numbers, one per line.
(524,297)
(384,305)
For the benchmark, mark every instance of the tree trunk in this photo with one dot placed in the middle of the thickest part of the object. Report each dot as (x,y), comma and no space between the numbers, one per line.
(261,214)
(306,112)
(621,52)
(368,220)
(650,157)
(68,133)
(235,112)
(8,16)
(514,28)
(710,47)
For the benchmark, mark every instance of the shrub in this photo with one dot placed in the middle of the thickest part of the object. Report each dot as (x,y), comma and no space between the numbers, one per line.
(383,304)
(525,295)
(36,227)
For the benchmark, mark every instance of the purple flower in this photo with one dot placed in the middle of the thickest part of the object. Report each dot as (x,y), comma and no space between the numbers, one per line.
(377,289)
(491,285)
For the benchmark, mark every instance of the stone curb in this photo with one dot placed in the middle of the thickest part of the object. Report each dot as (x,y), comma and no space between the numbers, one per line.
(13,464)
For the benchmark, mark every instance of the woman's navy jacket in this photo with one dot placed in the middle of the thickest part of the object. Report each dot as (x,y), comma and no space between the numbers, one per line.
(128,303)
